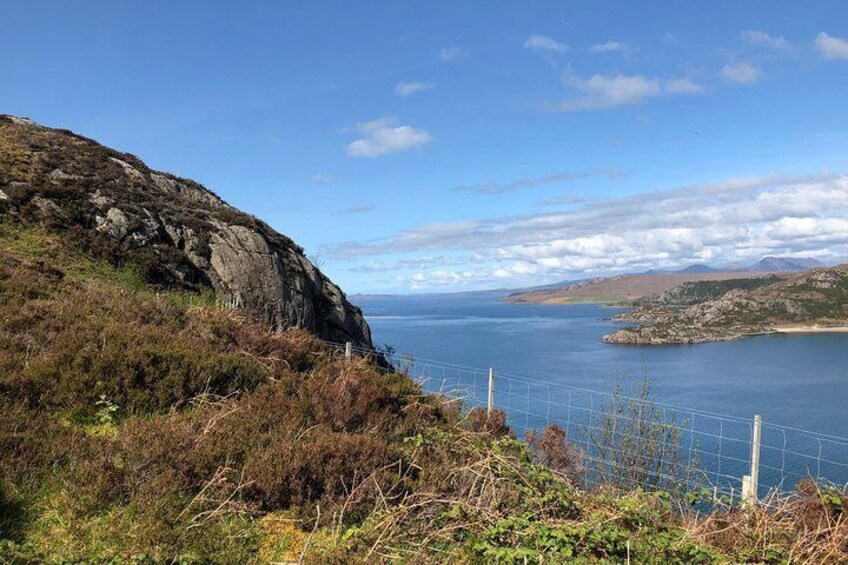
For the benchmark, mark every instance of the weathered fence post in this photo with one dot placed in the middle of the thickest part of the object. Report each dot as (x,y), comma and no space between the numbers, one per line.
(750,483)
(490,405)
(348,351)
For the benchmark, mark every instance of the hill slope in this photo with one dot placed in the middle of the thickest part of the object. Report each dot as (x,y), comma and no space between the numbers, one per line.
(618,289)
(174,231)
(141,427)
(816,298)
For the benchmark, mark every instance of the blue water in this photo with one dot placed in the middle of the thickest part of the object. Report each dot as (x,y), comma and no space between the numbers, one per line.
(790,380)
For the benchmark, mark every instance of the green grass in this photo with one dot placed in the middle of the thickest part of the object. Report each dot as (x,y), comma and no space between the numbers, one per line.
(37,244)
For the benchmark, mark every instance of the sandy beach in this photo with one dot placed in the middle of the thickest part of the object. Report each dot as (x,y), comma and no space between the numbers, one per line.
(812,329)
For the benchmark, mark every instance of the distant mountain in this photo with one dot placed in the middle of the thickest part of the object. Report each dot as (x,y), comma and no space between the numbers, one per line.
(765,265)
(698,268)
(773,264)
(626,288)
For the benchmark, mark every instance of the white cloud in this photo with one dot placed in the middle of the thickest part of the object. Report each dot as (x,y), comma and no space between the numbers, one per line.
(831,47)
(762,39)
(610,47)
(545,43)
(683,86)
(737,219)
(740,72)
(384,136)
(602,91)
(451,53)
(421,262)
(404,89)
(322,178)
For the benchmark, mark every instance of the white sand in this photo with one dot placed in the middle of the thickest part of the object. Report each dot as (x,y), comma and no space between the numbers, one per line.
(811,329)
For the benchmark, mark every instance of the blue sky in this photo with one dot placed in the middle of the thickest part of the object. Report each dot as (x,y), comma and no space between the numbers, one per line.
(430,146)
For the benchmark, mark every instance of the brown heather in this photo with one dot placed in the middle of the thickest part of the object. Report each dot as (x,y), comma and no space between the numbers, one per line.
(139,425)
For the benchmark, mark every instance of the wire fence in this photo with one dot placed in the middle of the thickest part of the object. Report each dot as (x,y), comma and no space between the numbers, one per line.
(634,440)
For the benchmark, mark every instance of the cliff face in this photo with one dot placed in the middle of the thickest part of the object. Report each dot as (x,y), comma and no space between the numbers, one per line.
(175,231)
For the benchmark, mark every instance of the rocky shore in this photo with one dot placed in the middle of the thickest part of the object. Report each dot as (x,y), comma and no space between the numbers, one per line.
(816,299)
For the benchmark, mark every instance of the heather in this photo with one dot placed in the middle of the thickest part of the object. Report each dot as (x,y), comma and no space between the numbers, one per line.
(140,424)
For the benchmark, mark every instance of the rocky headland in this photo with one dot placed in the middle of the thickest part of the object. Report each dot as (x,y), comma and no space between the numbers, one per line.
(814,300)
(174,231)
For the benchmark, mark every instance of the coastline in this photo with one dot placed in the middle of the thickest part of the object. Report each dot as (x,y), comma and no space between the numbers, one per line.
(811,329)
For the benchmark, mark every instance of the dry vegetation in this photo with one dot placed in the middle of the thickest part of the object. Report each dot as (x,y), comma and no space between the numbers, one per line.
(623,288)
(139,426)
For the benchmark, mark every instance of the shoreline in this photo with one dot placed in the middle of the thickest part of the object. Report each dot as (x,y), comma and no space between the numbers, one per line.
(811,329)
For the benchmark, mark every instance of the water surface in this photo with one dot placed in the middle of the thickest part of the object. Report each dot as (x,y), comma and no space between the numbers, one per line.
(791,380)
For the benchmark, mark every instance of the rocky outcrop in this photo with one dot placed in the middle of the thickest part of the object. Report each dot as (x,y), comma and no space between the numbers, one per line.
(178,233)
(816,298)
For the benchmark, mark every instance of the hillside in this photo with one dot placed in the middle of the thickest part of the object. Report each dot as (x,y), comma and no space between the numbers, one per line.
(162,402)
(621,288)
(696,292)
(175,232)
(146,426)
(814,300)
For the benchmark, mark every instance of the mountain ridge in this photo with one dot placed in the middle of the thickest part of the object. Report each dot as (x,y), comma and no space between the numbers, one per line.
(626,288)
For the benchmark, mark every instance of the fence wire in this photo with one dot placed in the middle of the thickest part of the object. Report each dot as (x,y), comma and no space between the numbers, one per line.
(702,449)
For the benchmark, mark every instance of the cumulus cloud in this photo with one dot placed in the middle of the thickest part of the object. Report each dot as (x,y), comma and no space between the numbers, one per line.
(322,178)
(384,136)
(405,89)
(451,53)
(740,72)
(530,182)
(610,47)
(603,92)
(421,262)
(683,86)
(737,219)
(831,47)
(762,39)
(545,43)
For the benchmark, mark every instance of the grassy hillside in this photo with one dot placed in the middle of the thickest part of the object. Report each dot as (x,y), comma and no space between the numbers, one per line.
(146,426)
(695,292)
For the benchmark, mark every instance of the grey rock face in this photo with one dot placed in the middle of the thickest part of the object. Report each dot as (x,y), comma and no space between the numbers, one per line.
(115,223)
(189,234)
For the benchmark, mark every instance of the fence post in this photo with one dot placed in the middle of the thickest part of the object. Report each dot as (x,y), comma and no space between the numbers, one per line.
(348,351)
(755,456)
(490,405)
(750,483)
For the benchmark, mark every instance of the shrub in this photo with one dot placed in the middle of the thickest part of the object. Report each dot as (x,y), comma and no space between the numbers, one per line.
(552,448)
(637,444)
(492,423)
